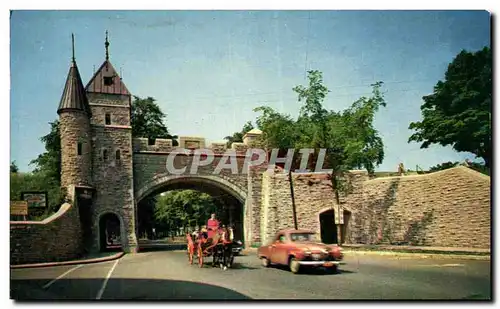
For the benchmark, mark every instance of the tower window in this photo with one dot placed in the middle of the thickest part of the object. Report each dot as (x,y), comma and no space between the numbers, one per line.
(117,155)
(107,119)
(105,154)
(79,148)
(108,80)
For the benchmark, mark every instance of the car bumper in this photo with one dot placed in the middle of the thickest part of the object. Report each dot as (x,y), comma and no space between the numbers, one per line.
(236,250)
(320,263)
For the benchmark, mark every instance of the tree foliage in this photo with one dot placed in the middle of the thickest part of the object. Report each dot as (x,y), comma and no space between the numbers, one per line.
(20,182)
(49,162)
(443,166)
(349,136)
(183,209)
(13,167)
(148,120)
(458,112)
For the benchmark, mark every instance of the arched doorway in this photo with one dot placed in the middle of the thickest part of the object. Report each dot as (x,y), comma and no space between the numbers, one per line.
(328,227)
(229,200)
(110,233)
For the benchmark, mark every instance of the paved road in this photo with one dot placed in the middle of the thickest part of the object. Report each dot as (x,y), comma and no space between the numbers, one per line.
(166,275)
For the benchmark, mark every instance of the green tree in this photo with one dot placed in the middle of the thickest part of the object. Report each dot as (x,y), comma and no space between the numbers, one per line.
(237,137)
(148,120)
(458,113)
(349,136)
(13,167)
(183,209)
(49,162)
(20,182)
(443,166)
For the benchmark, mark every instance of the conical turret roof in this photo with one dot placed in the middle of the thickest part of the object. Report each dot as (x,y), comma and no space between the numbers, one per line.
(74,96)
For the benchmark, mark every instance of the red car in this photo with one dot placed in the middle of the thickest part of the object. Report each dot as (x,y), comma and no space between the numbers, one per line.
(298,249)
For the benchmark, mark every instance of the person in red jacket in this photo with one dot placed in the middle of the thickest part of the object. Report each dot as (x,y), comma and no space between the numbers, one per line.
(212,225)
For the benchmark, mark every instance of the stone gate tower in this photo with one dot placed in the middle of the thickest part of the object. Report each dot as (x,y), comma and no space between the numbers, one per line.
(76,142)
(96,151)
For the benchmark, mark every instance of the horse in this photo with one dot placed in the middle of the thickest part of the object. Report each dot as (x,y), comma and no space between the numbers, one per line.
(191,247)
(219,246)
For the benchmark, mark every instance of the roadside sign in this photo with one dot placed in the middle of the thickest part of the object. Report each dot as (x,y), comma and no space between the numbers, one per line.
(19,208)
(35,199)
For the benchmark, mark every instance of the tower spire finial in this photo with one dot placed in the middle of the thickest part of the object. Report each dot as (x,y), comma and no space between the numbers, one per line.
(106,45)
(73,47)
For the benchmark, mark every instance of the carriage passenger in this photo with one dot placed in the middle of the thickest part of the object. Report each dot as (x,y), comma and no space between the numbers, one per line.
(213,226)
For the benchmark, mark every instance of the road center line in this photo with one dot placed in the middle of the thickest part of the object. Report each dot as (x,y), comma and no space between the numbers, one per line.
(61,276)
(103,287)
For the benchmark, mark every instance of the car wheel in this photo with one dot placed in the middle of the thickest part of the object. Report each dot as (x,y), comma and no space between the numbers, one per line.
(264,261)
(294,265)
(333,270)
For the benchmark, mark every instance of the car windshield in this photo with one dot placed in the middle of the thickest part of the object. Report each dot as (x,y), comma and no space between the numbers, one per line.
(302,237)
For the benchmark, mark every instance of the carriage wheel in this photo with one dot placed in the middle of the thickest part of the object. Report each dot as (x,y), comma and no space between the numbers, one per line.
(200,256)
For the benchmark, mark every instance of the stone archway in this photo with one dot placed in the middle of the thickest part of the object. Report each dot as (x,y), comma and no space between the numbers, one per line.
(203,183)
(110,232)
(164,180)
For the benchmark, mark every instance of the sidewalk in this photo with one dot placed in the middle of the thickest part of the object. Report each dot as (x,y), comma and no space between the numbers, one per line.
(417,249)
(96,258)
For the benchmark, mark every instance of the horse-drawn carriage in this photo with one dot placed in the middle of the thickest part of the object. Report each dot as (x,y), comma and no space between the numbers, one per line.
(219,246)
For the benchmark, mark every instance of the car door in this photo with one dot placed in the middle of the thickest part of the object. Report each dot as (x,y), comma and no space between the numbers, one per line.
(279,250)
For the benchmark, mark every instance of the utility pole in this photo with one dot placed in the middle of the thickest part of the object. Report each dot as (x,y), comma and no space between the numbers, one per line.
(293,200)
(337,199)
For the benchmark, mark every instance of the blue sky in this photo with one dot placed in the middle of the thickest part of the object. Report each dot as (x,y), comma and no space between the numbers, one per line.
(209,69)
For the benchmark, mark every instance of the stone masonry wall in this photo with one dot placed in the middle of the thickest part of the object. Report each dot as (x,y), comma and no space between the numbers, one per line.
(447,208)
(113,172)
(253,205)
(150,165)
(56,238)
(75,169)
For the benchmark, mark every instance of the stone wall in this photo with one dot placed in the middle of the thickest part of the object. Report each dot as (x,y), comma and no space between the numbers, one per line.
(148,166)
(447,208)
(252,218)
(75,169)
(56,238)
(112,166)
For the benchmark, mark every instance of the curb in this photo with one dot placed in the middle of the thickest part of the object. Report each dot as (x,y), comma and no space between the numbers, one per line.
(74,262)
(441,255)
(421,254)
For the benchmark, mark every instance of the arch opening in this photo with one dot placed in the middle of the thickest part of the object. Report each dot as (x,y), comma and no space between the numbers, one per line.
(223,200)
(328,228)
(110,232)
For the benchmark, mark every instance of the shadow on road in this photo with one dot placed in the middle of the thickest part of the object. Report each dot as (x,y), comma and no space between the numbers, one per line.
(208,264)
(161,247)
(242,266)
(315,271)
(120,289)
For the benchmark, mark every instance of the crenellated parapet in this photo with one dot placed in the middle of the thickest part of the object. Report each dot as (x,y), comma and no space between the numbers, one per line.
(159,145)
(218,147)
(239,147)
(185,142)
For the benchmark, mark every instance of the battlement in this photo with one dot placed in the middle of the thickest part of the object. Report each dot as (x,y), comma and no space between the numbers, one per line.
(185,142)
